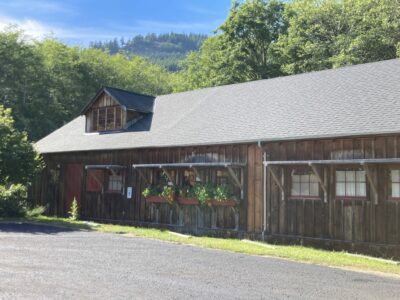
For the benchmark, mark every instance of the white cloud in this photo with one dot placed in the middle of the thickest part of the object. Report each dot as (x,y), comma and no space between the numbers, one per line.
(42,6)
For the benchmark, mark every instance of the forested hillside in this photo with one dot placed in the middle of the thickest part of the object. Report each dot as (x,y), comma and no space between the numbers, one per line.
(47,83)
(166,50)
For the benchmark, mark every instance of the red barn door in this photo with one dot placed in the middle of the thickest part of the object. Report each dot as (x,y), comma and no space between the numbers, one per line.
(73,185)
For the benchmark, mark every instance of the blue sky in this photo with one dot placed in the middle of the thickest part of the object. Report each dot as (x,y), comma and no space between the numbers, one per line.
(79,22)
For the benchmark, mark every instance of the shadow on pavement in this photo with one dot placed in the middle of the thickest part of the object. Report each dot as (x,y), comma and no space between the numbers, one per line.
(21,227)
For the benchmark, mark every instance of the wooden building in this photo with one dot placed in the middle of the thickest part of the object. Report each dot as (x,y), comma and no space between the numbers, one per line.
(311,159)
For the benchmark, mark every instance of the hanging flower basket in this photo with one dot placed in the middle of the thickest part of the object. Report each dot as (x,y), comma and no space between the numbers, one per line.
(188,201)
(224,202)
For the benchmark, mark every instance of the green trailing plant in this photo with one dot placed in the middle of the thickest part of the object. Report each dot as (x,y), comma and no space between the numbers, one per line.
(151,190)
(223,192)
(203,192)
(169,193)
(74,210)
(187,191)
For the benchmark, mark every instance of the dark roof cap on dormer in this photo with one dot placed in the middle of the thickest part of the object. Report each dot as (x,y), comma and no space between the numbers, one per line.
(130,100)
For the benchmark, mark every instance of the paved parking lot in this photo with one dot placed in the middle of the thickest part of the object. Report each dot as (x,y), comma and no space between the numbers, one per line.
(43,262)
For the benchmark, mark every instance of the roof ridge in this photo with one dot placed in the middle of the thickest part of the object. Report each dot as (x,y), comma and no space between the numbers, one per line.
(284,76)
(126,91)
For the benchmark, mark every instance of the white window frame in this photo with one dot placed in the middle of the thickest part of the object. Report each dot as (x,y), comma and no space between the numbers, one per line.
(395,183)
(351,183)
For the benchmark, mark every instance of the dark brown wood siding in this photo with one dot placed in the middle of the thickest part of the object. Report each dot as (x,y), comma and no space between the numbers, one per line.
(358,220)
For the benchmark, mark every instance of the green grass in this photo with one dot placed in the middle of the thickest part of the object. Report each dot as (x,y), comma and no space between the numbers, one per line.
(295,253)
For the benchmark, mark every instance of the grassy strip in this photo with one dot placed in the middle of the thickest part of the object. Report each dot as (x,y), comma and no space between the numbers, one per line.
(295,253)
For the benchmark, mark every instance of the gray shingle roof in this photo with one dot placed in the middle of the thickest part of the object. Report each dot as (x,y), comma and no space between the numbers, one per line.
(356,100)
(131,100)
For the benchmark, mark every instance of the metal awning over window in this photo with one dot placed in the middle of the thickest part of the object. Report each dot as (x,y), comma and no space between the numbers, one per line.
(192,165)
(366,163)
(362,161)
(107,167)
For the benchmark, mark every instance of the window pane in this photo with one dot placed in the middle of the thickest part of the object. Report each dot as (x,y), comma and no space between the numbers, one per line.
(94,119)
(110,118)
(360,176)
(340,189)
(296,178)
(305,189)
(350,176)
(340,176)
(395,174)
(361,189)
(313,189)
(295,189)
(395,189)
(350,188)
(305,178)
(102,119)
(313,178)
(118,117)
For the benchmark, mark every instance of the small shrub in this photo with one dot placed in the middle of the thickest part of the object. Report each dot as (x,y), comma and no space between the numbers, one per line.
(203,192)
(36,211)
(74,211)
(13,201)
(151,191)
(223,192)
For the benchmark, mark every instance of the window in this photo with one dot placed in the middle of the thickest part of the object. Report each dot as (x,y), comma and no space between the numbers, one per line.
(351,183)
(115,183)
(106,118)
(395,181)
(304,185)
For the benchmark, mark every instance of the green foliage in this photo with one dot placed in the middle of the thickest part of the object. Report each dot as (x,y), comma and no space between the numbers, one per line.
(169,193)
(241,51)
(18,159)
(332,33)
(204,192)
(13,201)
(223,192)
(166,50)
(150,191)
(35,211)
(47,83)
(74,210)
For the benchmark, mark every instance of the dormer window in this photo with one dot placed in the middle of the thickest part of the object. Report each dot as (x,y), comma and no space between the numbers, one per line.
(114,110)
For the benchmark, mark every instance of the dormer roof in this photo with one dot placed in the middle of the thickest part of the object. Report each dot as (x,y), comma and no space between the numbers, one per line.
(128,100)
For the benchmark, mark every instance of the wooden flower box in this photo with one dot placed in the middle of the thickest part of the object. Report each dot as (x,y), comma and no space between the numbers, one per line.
(155,199)
(188,201)
(226,202)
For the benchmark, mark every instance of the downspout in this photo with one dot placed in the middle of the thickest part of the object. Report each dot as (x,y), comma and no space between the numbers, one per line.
(264,226)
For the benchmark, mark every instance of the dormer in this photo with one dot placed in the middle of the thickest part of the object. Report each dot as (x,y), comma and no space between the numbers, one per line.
(116,110)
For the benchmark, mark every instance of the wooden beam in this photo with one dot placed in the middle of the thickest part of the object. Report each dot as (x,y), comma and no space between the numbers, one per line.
(197,174)
(141,175)
(170,178)
(322,181)
(235,178)
(277,181)
(372,181)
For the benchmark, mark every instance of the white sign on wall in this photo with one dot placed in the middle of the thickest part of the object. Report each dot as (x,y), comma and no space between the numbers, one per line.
(129,192)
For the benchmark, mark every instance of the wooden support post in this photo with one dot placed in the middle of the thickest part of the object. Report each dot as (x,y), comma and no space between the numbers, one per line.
(322,181)
(197,174)
(142,176)
(372,181)
(234,178)
(170,178)
(277,181)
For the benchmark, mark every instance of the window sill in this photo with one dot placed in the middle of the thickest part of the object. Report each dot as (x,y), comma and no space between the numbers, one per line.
(394,198)
(304,198)
(351,198)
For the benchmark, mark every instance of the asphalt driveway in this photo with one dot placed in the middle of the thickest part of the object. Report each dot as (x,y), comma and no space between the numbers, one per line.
(43,262)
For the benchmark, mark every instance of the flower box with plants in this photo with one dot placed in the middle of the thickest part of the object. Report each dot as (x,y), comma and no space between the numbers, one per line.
(222,196)
(187,196)
(157,195)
